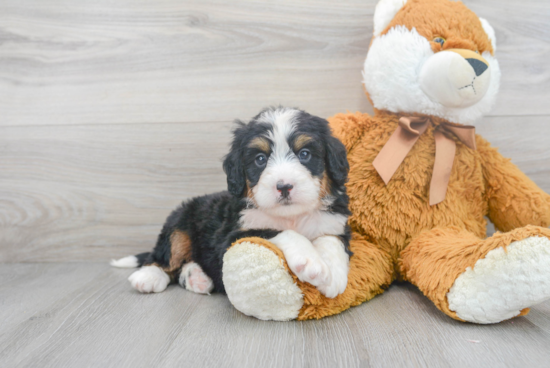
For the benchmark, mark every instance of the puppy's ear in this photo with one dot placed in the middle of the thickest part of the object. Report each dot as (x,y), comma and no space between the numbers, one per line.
(336,161)
(233,166)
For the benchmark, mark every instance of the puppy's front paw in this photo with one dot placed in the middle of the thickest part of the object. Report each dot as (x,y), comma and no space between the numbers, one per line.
(149,279)
(333,253)
(310,268)
(302,258)
(337,285)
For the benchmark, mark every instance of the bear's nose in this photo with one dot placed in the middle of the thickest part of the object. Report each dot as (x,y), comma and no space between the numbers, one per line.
(284,189)
(478,65)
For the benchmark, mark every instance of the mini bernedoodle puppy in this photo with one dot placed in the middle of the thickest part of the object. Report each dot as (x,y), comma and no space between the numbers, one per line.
(286,176)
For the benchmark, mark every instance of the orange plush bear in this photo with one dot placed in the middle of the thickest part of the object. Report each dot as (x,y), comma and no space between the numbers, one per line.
(420,184)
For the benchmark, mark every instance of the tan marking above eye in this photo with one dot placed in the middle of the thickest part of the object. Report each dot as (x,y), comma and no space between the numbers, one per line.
(301,141)
(260,143)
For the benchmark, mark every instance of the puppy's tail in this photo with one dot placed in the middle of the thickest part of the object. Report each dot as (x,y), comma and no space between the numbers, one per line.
(131,261)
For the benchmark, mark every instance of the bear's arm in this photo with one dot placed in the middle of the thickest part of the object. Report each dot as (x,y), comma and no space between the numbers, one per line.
(348,128)
(514,199)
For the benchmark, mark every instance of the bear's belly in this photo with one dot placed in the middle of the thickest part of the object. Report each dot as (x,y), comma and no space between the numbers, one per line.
(392,215)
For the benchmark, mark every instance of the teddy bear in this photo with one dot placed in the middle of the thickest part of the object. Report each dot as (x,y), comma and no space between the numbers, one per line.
(420,184)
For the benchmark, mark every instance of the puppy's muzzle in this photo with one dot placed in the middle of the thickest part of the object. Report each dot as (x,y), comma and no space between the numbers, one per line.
(284,189)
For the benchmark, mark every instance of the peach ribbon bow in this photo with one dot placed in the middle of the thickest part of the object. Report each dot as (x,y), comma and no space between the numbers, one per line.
(402,141)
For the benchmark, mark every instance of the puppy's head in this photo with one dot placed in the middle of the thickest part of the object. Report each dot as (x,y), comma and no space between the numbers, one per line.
(286,162)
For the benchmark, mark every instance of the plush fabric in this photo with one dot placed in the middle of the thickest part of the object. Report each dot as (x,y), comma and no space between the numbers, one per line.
(397,234)
(429,246)
(370,273)
(460,27)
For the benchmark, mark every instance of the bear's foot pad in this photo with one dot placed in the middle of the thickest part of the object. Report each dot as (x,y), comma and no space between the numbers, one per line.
(258,284)
(504,283)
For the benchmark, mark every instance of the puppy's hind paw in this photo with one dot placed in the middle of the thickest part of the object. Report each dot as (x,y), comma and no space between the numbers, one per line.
(149,279)
(193,278)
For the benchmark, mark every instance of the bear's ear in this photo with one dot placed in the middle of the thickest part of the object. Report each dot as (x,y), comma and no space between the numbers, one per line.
(384,13)
(490,33)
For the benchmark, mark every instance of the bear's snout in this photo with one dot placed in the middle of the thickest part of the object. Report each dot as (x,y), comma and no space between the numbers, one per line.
(455,77)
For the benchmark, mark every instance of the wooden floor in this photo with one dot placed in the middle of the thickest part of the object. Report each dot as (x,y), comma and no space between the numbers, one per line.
(86,315)
(112,112)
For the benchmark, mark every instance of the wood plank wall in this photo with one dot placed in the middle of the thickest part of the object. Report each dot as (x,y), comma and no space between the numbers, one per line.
(112,112)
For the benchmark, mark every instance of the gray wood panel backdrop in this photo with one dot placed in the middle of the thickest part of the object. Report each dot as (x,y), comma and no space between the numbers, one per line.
(112,112)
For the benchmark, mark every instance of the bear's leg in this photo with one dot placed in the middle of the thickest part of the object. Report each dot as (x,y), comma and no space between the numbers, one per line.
(480,281)
(259,283)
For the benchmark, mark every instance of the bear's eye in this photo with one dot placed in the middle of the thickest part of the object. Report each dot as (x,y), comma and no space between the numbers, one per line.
(439,40)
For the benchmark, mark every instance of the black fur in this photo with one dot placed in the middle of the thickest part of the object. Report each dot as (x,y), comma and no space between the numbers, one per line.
(142,257)
(334,160)
(233,165)
(212,221)
(337,163)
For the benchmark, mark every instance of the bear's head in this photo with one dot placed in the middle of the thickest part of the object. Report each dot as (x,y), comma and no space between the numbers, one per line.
(432,57)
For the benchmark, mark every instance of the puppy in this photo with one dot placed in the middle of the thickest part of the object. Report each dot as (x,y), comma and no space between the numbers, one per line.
(285,177)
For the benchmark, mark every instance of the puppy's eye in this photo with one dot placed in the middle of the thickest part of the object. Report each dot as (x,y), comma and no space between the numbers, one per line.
(439,40)
(261,160)
(304,155)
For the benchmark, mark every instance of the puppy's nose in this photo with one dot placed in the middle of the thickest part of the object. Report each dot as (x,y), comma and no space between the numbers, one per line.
(284,188)
(478,65)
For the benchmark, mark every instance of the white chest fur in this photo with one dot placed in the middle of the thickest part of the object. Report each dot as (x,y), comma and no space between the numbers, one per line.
(311,225)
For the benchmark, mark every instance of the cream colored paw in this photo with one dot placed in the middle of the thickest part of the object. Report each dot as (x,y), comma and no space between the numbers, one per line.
(332,251)
(503,283)
(258,284)
(302,258)
(149,279)
(310,269)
